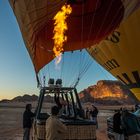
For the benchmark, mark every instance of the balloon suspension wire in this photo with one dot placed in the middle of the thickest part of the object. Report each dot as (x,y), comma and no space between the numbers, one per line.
(108,27)
(43,75)
(82,20)
(88,64)
(114,18)
(63,71)
(74,67)
(84,65)
(104,19)
(100,68)
(106,32)
(77,78)
(62,65)
(100,26)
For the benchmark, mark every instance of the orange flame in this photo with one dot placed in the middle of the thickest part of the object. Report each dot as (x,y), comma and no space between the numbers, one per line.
(60,26)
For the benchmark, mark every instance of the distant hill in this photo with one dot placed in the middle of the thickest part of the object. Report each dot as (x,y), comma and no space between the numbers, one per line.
(5,101)
(27,98)
(108,92)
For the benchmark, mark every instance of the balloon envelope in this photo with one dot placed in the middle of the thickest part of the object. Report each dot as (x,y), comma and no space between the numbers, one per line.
(90,22)
(119,53)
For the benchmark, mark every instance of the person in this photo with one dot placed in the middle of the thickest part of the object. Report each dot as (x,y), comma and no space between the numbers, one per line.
(57,100)
(117,126)
(93,114)
(54,127)
(61,104)
(87,113)
(130,125)
(27,121)
(137,107)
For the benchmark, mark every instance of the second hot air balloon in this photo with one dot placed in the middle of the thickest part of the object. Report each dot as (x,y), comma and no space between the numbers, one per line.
(119,53)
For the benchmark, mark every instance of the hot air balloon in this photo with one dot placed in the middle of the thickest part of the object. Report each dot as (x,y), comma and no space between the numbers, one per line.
(88,18)
(90,22)
(119,52)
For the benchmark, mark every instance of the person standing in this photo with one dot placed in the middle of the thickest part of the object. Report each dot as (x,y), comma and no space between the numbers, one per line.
(131,125)
(93,114)
(54,127)
(137,107)
(117,126)
(87,113)
(27,121)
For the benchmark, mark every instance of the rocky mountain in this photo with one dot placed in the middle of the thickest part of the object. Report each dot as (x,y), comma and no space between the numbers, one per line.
(108,92)
(105,92)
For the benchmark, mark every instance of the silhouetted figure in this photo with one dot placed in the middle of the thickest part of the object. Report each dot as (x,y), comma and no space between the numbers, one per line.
(131,125)
(27,121)
(57,101)
(93,114)
(54,127)
(137,107)
(87,113)
(117,126)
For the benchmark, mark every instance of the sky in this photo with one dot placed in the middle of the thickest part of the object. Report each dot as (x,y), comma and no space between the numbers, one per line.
(17,75)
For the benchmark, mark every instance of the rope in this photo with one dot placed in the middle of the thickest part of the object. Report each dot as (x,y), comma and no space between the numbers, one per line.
(84,63)
(87,64)
(84,67)
(104,19)
(82,20)
(116,15)
(111,22)
(62,66)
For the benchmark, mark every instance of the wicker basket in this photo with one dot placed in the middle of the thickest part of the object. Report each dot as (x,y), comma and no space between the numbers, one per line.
(74,132)
(80,132)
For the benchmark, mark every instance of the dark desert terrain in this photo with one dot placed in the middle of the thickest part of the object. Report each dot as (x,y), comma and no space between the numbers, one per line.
(11,120)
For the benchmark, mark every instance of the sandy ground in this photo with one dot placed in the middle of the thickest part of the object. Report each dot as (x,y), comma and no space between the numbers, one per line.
(11,122)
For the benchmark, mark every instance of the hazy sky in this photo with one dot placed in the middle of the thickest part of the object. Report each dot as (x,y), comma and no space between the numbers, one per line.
(17,76)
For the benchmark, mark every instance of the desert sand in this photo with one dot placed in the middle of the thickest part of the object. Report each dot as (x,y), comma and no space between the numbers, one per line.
(11,121)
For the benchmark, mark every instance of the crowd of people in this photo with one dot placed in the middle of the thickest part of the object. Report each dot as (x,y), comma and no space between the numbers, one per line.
(54,127)
(126,125)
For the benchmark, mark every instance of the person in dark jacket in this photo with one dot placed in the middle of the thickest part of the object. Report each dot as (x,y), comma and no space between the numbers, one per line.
(87,113)
(137,107)
(27,121)
(117,126)
(93,114)
(131,125)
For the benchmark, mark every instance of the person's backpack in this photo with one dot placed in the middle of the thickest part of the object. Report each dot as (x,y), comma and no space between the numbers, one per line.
(132,125)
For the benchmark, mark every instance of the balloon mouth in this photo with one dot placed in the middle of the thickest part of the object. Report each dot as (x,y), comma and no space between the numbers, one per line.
(79,2)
